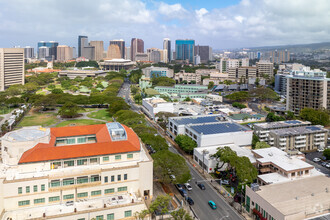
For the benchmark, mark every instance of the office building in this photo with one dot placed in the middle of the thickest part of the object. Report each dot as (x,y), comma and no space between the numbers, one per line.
(184,50)
(167,47)
(151,106)
(281,56)
(82,42)
(64,53)
(141,57)
(242,74)
(11,67)
(225,64)
(99,49)
(151,72)
(210,130)
(265,68)
(85,49)
(28,52)
(72,74)
(128,53)
(205,53)
(116,49)
(280,83)
(183,77)
(83,172)
(52,49)
(137,46)
(305,198)
(43,53)
(307,89)
(154,55)
(116,65)
(181,92)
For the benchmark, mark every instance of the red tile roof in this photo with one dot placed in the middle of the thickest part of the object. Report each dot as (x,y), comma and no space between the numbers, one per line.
(104,145)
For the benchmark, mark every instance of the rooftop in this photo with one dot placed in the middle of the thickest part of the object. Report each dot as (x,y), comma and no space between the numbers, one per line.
(281,124)
(299,130)
(216,128)
(26,134)
(281,159)
(197,119)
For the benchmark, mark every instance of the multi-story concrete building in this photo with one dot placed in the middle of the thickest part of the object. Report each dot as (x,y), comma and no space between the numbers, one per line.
(128,53)
(116,64)
(52,49)
(205,53)
(99,49)
(82,42)
(28,52)
(137,46)
(167,48)
(151,106)
(187,77)
(116,49)
(72,74)
(64,53)
(225,64)
(265,68)
(141,57)
(151,72)
(242,73)
(281,56)
(43,53)
(11,67)
(307,89)
(97,171)
(155,55)
(181,89)
(184,50)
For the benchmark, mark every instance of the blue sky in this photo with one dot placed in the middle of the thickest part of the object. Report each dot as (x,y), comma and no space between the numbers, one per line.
(220,24)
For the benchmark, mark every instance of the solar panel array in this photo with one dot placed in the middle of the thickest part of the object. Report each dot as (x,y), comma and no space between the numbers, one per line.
(313,128)
(197,120)
(293,122)
(218,128)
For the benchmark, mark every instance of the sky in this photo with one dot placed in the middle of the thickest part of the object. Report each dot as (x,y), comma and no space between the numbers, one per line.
(221,24)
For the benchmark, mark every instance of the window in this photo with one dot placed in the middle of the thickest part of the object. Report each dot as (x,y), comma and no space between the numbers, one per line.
(91,139)
(70,141)
(95,178)
(68,182)
(128,213)
(121,189)
(83,179)
(69,196)
(125,176)
(112,178)
(99,217)
(60,142)
(96,193)
(42,187)
(35,188)
(107,191)
(81,219)
(38,201)
(55,183)
(56,165)
(118,157)
(84,194)
(105,179)
(111,216)
(69,163)
(118,177)
(81,140)
(105,159)
(82,162)
(93,161)
(27,189)
(129,156)
(20,190)
(23,203)
(54,199)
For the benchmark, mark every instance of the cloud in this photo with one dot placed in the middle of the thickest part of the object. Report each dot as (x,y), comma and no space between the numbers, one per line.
(172,11)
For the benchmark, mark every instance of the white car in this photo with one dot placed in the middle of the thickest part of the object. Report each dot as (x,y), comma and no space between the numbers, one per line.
(188,186)
(316,159)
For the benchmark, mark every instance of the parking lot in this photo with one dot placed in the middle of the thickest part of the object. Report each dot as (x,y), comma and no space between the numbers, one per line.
(318,165)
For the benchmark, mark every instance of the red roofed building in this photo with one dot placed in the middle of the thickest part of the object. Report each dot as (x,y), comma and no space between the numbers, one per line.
(45,170)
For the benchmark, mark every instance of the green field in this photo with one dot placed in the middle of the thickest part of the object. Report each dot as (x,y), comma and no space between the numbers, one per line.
(43,119)
(5,110)
(101,114)
(78,122)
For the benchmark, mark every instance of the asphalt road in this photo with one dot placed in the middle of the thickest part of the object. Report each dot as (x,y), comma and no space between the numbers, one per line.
(309,159)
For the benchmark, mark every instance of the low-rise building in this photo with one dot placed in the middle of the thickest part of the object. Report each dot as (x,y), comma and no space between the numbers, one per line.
(151,72)
(214,98)
(182,76)
(151,106)
(116,64)
(83,172)
(246,117)
(72,74)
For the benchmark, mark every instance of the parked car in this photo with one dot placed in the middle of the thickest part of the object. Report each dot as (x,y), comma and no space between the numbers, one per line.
(201,186)
(224,182)
(188,186)
(212,204)
(328,165)
(324,164)
(172,177)
(69,203)
(190,201)
(179,186)
(316,159)
(183,192)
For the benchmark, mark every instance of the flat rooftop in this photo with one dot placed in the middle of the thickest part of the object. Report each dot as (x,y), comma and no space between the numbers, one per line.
(280,159)
(216,128)
(26,134)
(308,195)
(197,119)
(281,124)
(299,130)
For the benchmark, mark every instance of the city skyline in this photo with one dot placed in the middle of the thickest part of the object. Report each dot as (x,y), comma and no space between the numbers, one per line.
(225,24)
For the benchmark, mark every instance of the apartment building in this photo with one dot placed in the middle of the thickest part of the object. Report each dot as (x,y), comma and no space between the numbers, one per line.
(151,106)
(11,67)
(242,73)
(64,53)
(96,171)
(99,49)
(182,76)
(265,68)
(225,64)
(307,89)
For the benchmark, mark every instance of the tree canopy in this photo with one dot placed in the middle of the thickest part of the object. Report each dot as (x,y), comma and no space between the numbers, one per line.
(261,144)
(316,117)
(186,143)
(238,96)
(162,81)
(326,153)
(69,110)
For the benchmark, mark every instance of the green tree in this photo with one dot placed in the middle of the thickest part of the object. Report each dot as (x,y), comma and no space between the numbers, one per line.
(123,115)
(117,106)
(31,87)
(289,115)
(51,87)
(228,82)
(271,117)
(162,81)
(326,153)
(188,99)
(57,91)
(261,144)
(224,155)
(316,117)
(255,140)
(257,82)
(157,142)
(211,84)
(138,98)
(238,105)
(186,143)
(15,90)
(47,102)
(161,204)
(142,215)
(69,110)
(167,163)
(181,214)
(265,94)
(239,96)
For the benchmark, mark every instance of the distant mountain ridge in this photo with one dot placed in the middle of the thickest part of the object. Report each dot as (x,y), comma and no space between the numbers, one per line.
(296,47)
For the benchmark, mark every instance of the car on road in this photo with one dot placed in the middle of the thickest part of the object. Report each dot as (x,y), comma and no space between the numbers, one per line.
(172,177)
(212,204)
(183,192)
(324,164)
(316,159)
(328,165)
(224,182)
(190,201)
(188,186)
(179,186)
(201,186)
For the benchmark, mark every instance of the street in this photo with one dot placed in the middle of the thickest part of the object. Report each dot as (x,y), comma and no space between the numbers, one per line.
(200,197)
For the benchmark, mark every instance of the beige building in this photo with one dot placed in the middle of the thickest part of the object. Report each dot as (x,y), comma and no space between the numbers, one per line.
(11,67)
(96,171)
(99,49)
(64,53)
(265,68)
(294,200)
(72,74)
(114,52)
(242,73)
(188,77)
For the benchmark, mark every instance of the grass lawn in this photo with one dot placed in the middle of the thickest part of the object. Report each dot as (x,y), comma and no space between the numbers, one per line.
(87,110)
(41,92)
(78,122)
(5,110)
(43,119)
(101,114)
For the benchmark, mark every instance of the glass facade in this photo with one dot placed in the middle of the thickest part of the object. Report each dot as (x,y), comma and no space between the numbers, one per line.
(185,50)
